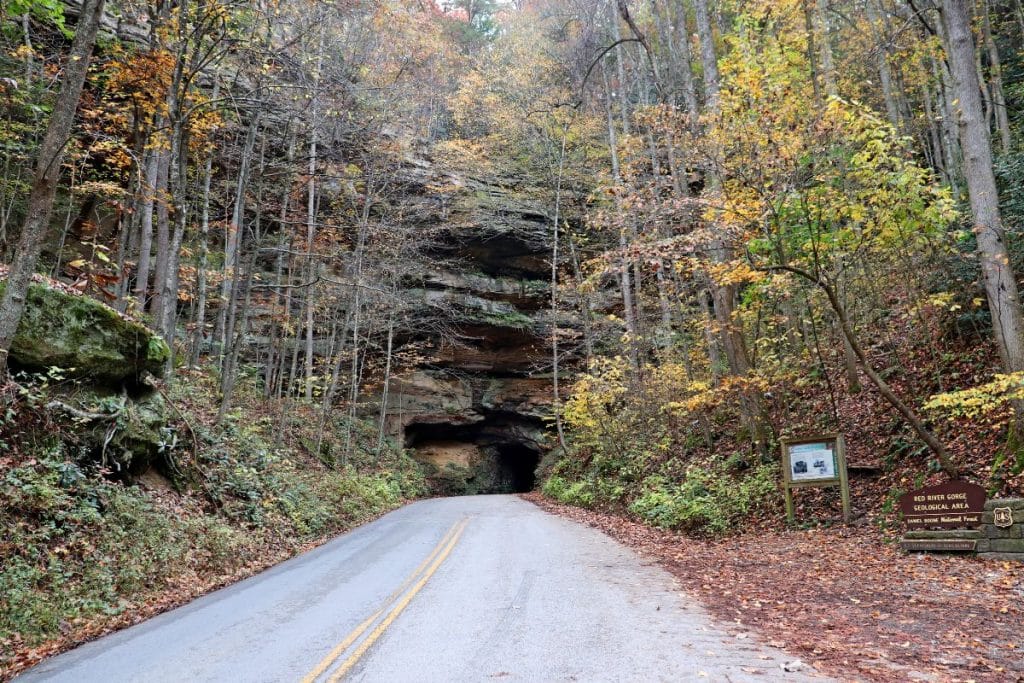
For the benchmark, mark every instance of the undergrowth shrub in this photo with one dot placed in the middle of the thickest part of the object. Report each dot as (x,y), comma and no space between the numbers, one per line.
(707,499)
(78,546)
(579,492)
(632,448)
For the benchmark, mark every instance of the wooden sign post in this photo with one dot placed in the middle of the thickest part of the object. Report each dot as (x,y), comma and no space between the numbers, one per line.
(815,461)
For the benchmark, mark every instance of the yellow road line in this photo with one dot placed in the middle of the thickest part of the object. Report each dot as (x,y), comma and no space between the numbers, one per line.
(326,662)
(403,603)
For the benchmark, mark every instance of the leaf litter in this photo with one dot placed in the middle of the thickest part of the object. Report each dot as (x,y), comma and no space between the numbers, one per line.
(845,601)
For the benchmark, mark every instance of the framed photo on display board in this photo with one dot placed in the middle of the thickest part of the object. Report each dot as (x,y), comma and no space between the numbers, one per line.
(815,461)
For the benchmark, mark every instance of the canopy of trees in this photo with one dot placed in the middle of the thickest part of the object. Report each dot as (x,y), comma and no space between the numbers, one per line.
(754,208)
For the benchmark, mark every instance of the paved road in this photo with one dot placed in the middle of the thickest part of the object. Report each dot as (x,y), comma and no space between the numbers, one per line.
(486,588)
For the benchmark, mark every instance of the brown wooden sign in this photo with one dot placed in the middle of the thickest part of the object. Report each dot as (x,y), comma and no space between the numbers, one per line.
(952,505)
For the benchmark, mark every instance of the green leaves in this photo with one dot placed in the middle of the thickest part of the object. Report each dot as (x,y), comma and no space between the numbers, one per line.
(48,11)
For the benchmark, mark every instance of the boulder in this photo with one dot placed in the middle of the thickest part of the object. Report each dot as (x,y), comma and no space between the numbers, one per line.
(122,432)
(131,437)
(85,338)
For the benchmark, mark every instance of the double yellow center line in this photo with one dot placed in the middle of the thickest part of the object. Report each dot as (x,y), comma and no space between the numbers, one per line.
(397,602)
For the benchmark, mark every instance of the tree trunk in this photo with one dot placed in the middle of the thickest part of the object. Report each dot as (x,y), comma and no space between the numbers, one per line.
(1000,283)
(934,136)
(150,188)
(163,243)
(199,333)
(556,398)
(995,70)
(229,371)
(232,258)
(724,296)
(708,57)
(47,176)
(281,301)
(620,67)
(950,136)
(811,51)
(386,388)
(882,65)
(828,68)
(625,282)
(311,216)
(583,302)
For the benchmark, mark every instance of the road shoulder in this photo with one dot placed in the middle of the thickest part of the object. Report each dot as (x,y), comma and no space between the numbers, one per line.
(844,602)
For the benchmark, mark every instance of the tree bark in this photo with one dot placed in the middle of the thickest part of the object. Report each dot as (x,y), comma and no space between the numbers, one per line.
(386,388)
(828,68)
(232,256)
(199,333)
(555,357)
(163,243)
(150,188)
(311,203)
(1000,283)
(995,71)
(621,71)
(882,64)
(625,281)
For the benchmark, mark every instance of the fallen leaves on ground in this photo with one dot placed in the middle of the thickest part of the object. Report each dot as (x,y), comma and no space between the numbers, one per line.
(853,605)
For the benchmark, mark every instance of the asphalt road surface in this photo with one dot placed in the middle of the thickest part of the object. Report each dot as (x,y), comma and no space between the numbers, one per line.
(484,588)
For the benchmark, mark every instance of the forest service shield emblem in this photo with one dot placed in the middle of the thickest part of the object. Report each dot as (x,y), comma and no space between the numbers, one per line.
(1002,517)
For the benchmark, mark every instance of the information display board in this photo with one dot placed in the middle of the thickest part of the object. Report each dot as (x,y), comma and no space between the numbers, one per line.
(815,461)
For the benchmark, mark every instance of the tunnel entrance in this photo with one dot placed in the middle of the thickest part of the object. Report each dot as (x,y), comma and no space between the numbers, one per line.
(518,466)
(497,455)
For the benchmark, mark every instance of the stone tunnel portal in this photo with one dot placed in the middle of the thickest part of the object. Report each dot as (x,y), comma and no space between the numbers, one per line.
(498,455)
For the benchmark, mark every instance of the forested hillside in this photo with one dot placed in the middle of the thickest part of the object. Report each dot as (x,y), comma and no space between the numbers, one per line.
(272,268)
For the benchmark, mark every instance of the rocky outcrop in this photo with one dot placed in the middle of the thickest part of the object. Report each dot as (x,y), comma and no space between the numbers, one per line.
(123,432)
(476,408)
(84,338)
(434,398)
(101,360)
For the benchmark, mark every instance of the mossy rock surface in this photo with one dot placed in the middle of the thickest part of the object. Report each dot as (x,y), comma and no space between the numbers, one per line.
(131,438)
(85,338)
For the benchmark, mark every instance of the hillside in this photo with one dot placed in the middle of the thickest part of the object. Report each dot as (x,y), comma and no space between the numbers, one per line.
(269,270)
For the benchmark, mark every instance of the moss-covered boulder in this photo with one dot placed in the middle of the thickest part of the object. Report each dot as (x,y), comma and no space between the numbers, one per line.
(85,338)
(124,433)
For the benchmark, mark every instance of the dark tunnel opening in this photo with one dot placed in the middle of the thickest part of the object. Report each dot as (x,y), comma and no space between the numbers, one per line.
(493,456)
(518,465)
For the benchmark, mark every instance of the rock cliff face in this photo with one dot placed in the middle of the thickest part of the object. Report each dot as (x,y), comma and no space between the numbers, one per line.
(475,405)
(475,409)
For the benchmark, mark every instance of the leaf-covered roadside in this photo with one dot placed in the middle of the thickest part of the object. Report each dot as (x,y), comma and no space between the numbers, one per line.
(841,599)
(84,553)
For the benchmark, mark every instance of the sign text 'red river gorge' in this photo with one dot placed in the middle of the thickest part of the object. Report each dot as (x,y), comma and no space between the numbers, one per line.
(952,505)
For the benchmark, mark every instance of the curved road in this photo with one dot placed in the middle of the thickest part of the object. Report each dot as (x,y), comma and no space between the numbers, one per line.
(486,588)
